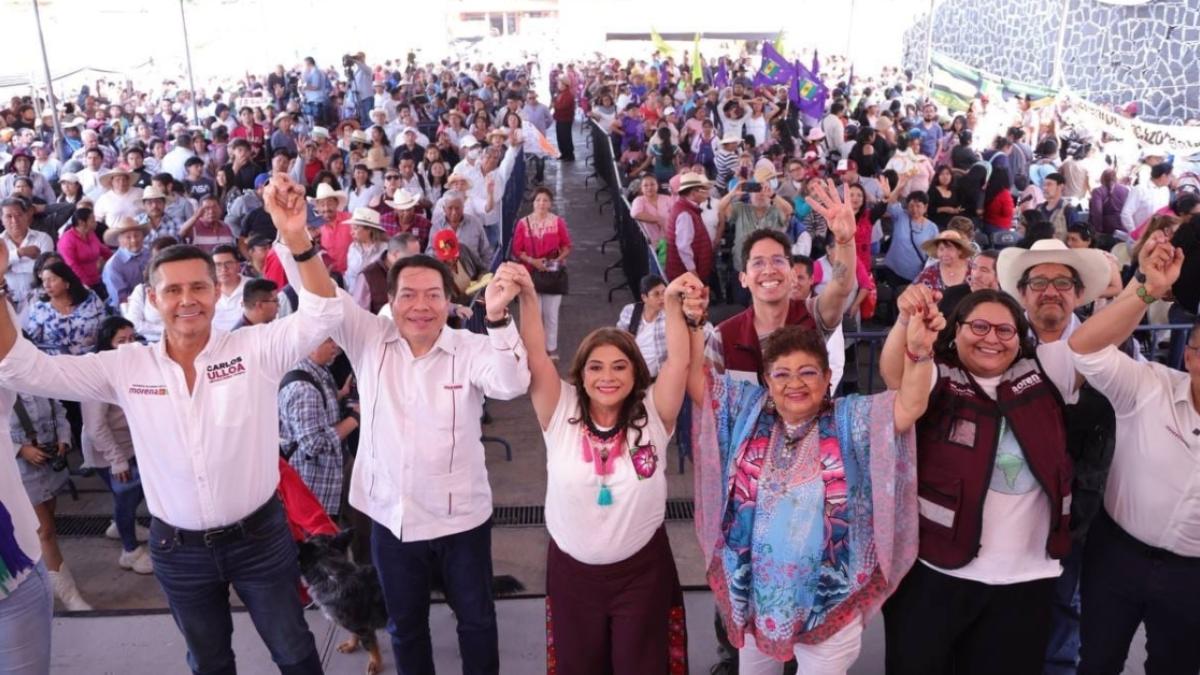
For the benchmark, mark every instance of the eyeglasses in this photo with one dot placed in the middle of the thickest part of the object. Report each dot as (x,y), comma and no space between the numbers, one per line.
(980,327)
(779,262)
(394,176)
(1062,284)
(807,375)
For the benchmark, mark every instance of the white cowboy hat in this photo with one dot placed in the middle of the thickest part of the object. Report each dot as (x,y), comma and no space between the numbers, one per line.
(319,132)
(688,181)
(112,234)
(403,199)
(730,139)
(325,191)
(815,134)
(365,217)
(359,136)
(282,116)
(150,192)
(1090,264)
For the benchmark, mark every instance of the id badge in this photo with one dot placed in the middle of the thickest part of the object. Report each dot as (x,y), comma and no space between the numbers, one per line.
(962,432)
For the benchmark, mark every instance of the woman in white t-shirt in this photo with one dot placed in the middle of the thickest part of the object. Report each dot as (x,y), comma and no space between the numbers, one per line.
(612,590)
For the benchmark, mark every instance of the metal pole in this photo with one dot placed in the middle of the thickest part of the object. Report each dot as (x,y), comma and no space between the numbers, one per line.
(58,134)
(850,32)
(187,48)
(1056,75)
(929,50)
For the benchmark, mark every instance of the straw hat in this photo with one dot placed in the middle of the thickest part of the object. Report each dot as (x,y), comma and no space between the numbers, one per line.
(403,199)
(149,192)
(456,176)
(1090,263)
(107,177)
(951,237)
(687,181)
(325,191)
(319,132)
(113,234)
(366,217)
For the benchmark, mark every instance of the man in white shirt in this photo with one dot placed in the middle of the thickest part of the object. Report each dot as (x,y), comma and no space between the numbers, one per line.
(174,161)
(1146,199)
(419,472)
(1142,560)
(202,410)
(89,175)
(121,200)
(24,246)
(230,284)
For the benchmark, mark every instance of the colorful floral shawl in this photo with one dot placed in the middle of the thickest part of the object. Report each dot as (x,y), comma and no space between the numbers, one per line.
(811,547)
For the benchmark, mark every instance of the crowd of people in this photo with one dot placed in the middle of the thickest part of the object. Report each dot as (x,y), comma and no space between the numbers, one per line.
(318,285)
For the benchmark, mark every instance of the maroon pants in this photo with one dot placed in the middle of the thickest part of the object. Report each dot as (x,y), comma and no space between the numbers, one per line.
(625,617)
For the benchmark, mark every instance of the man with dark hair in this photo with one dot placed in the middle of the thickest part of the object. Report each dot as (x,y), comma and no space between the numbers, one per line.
(24,245)
(204,405)
(802,270)
(419,473)
(260,303)
(371,286)
(230,286)
(241,161)
(1055,209)
(647,322)
(1146,199)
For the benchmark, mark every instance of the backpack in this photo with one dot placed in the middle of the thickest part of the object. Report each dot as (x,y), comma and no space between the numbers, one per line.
(635,321)
(297,375)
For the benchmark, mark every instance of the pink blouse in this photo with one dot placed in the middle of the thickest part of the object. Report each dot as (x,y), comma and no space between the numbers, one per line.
(83,255)
(655,232)
(542,245)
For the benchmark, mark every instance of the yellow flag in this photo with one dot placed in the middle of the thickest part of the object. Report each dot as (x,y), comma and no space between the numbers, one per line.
(659,43)
(697,69)
(779,43)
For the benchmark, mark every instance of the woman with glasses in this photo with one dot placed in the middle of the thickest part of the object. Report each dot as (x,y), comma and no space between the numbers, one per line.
(806,505)
(993,490)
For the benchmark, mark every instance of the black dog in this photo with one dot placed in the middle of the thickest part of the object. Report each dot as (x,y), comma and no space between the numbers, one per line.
(347,593)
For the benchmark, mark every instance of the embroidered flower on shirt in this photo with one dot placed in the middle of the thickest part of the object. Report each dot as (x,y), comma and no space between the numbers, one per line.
(645,461)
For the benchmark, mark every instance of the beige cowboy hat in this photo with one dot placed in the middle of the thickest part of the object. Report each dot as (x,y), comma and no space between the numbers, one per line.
(325,191)
(456,176)
(359,136)
(951,237)
(1091,265)
(403,199)
(126,224)
(150,192)
(107,177)
(365,216)
(687,181)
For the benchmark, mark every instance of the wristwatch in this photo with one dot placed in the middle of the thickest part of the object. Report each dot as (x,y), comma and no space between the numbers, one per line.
(499,323)
(1139,277)
(307,255)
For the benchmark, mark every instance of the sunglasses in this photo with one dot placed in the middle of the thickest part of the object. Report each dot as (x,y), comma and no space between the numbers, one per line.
(394,176)
(980,327)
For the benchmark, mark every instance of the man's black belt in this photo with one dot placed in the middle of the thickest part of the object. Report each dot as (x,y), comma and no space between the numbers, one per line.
(218,535)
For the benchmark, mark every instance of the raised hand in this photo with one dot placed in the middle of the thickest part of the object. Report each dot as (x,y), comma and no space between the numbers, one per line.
(923,329)
(914,298)
(501,291)
(284,201)
(823,197)
(4,261)
(1161,263)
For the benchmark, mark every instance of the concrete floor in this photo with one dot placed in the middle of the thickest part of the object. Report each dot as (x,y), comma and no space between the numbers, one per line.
(132,633)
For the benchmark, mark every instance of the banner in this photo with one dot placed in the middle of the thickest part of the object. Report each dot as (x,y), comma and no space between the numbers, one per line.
(697,67)
(954,84)
(1177,140)
(774,68)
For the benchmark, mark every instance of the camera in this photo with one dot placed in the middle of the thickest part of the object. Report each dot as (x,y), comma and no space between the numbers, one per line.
(752,186)
(55,461)
(347,61)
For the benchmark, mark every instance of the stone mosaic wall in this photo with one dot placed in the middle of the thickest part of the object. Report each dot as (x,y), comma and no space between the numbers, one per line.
(1113,54)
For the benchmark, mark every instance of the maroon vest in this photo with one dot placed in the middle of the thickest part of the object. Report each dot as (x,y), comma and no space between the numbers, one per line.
(702,248)
(957,439)
(375,275)
(739,341)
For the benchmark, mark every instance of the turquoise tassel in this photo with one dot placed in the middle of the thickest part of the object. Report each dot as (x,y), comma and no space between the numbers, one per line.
(605,498)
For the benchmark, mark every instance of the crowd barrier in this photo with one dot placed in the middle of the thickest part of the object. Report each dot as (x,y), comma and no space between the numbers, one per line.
(637,257)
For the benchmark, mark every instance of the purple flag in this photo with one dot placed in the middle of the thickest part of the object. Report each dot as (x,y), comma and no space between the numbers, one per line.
(816,66)
(774,68)
(807,92)
(722,78)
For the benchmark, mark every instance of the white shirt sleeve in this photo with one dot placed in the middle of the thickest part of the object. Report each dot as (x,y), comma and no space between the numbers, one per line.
(1059,363)
(626,317)
(502,371)
(285,341)
(1130,208)
(77,378)
(1122,380)
(684,233)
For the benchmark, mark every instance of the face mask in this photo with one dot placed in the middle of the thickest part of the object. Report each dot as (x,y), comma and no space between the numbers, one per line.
(473,154)
(774,183)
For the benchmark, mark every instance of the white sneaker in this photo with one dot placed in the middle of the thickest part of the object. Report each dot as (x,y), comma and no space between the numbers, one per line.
(137,560)
(65,590)
(142,533)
